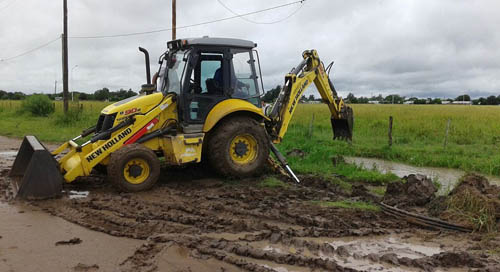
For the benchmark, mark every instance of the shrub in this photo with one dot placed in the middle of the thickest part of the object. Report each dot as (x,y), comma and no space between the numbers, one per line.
(72,117)
(38,105)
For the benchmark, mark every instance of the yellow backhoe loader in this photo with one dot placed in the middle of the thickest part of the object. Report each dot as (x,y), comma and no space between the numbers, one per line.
(203,104)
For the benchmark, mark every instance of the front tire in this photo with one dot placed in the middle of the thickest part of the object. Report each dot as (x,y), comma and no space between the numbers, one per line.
(133,168)
(238,147)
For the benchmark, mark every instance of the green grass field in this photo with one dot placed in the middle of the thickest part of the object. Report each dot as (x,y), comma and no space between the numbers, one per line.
(418,135)
(55,128)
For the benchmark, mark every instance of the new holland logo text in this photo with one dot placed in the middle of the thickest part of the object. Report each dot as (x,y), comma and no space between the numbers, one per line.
(297,96)
(108,145)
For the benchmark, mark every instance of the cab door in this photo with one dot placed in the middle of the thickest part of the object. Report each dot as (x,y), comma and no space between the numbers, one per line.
(208,81)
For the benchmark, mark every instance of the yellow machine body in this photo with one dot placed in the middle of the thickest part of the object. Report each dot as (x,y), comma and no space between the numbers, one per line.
(186,112)
(177,150)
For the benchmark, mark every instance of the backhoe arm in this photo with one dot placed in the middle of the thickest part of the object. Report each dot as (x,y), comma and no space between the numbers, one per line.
(310,70)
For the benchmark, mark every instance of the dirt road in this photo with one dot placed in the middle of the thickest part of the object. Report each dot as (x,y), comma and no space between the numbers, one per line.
(194,221)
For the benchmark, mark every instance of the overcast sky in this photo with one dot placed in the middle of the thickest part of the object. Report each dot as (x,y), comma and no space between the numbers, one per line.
(424,48)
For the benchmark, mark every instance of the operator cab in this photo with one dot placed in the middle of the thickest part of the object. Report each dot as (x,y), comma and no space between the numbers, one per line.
(205,71)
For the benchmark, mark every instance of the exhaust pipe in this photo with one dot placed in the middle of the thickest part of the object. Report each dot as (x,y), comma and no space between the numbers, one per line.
(148,71)
(147,88)
(35,173)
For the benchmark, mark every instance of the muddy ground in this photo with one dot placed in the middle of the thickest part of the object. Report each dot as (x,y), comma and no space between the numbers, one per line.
(194,221)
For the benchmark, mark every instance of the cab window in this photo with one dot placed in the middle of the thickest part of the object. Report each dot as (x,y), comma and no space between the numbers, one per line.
(243,81)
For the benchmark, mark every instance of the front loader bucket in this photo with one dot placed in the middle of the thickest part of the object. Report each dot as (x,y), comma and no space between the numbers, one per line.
(342,128)
(35,173)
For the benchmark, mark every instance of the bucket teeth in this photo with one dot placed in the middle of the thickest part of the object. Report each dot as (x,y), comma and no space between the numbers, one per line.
(342,128)
(35,173)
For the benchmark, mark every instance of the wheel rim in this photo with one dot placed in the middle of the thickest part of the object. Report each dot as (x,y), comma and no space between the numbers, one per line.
(136,171)
(243,149)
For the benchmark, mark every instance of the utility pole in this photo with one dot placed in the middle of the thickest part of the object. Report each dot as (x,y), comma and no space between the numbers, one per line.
(65,55)
(174,19)
(55,89)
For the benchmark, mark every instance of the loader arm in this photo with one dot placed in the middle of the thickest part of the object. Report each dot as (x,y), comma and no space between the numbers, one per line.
(310,70)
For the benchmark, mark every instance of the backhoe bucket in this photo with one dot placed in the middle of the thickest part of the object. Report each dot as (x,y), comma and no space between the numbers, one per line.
(35,173)
(342,128)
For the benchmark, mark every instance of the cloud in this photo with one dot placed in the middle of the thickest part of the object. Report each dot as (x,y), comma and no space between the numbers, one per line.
(415,47)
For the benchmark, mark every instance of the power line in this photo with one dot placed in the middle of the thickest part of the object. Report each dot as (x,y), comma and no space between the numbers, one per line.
(158,30)
(30,51)
(242,16)
(186,26)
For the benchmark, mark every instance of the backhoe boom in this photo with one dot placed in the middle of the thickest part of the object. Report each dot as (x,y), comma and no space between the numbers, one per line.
(310,70)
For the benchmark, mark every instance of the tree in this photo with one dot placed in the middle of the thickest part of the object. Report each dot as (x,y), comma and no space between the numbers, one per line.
(272,94)
(102,94)
(363,100)
(131,93)
(420,101)
(464,97)
(491,100)
(378,98)
(351,98)
(394,98)
(83,96)
(436,101)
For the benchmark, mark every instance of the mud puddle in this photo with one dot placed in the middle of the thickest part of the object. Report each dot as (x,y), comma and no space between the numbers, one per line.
(7,157)
(29,240)
(374,253)
(447,177)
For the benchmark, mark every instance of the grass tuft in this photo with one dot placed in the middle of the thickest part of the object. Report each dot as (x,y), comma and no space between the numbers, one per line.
(272,182)
(473,209)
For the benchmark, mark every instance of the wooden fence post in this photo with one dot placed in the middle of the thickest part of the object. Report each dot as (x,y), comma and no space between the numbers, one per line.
(446,133)
(390,130)
(311,126)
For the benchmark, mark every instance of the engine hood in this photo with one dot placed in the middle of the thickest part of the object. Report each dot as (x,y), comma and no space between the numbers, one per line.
(136,104)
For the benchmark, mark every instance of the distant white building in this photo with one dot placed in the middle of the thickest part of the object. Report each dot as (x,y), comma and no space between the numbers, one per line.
(373,102)
(408,102)
(445,102)
(462,102)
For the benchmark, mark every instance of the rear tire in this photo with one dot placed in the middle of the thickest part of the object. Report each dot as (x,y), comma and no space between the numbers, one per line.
(238,147)
(133,168)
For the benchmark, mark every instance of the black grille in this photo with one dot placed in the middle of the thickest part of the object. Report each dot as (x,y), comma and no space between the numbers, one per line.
(99,123)
(105,122)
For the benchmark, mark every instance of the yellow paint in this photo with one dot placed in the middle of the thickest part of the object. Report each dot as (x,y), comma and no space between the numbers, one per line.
(179,149)
(243,149)
(76,164)
(142,103)
(227,107)
(137,162)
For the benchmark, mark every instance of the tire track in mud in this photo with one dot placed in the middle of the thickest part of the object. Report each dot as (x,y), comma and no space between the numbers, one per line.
(221,208)
(229,223)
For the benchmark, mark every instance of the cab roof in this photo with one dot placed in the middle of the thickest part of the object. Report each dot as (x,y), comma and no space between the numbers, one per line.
(214,41)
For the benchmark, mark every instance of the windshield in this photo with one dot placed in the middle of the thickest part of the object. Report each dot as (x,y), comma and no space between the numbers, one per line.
(172,81)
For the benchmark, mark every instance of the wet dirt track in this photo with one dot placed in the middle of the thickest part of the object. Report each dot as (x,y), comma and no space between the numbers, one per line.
(193,221)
